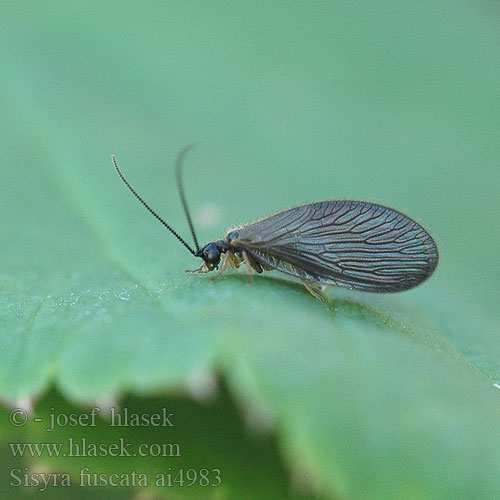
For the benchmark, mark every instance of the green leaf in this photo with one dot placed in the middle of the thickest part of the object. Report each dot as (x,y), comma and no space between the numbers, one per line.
(371,397)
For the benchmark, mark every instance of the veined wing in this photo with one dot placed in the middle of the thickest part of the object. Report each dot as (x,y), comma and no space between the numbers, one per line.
(355,244)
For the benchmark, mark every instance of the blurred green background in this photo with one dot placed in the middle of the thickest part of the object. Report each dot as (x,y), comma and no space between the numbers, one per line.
(287,102)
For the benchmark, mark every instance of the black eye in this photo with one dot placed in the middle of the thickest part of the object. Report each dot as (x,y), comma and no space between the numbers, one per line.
(211,253)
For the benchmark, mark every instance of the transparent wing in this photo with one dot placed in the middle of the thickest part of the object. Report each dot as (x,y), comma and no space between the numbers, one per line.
(355,244)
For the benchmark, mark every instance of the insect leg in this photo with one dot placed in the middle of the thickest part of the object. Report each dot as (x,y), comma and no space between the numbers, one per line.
(316,290)
(252,265)
(223,266)
(252,262)
(227,261)
(201,270)
(234,260)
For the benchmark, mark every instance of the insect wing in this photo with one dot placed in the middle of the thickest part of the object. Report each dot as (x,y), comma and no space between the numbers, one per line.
(355,244)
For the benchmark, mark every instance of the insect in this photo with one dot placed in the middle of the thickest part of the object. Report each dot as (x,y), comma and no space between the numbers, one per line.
(353,244)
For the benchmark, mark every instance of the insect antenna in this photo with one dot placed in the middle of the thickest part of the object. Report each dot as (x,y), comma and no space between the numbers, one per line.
(150,210)
(180,187)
